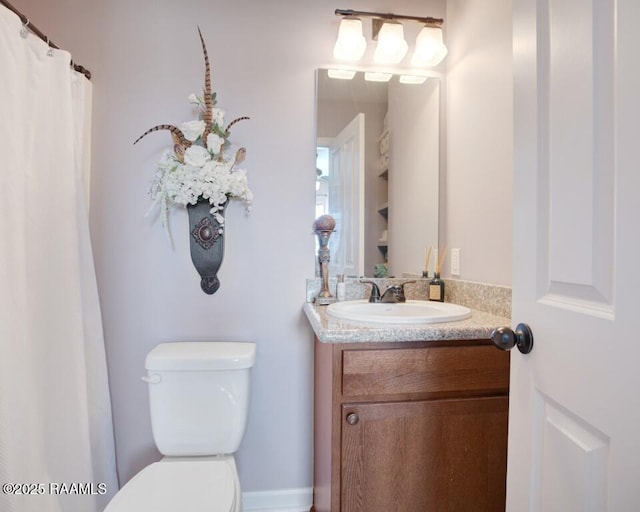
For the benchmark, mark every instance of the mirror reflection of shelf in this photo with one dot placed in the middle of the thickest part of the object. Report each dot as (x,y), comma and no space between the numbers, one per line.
(383,142)
(382,244)
(383,147)
(382,247)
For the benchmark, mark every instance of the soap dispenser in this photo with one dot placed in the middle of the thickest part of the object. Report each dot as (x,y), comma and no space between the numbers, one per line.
(436,285)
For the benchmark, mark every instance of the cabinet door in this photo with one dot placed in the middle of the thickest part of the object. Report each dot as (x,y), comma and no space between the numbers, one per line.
(444,455)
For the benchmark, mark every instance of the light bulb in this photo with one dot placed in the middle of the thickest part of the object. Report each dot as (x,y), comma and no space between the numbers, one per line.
(412,79)
(351,44)
(430,48)
(377,76)
(342,74)
(391,47)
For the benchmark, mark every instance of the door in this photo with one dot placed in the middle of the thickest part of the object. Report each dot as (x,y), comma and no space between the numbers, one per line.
(574,424)
(439,455)
(346,199)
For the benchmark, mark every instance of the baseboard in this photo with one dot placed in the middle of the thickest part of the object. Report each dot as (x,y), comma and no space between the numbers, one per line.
(282,500)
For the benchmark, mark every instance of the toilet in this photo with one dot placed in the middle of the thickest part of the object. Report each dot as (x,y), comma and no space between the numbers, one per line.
(199,400)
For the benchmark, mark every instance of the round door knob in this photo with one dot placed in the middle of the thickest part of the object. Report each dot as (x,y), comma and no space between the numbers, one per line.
(352,418)
(505,339)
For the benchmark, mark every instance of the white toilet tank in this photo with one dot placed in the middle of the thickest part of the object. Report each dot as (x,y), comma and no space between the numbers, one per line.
(199,396)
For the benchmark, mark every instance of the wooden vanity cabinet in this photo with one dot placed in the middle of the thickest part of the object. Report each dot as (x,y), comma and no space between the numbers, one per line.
(410,427)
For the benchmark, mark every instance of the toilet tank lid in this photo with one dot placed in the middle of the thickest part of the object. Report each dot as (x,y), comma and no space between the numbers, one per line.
(201,356)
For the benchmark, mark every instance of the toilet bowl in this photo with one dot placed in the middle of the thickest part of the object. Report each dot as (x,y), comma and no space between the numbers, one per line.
(182,484)
(199,397)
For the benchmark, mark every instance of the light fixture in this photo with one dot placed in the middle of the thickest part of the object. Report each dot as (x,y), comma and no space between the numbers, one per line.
(351,44)
(391,46)
(342,74)
(430,48)
(412,79)
(377,76)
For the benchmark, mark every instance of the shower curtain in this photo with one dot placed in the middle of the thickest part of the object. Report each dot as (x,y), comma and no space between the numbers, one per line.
(56,434)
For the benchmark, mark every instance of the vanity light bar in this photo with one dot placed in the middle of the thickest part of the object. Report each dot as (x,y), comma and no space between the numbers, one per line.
(388,30)
(389,16)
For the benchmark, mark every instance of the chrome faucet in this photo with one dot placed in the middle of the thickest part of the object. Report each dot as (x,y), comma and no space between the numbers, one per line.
(375,291)
(395,293)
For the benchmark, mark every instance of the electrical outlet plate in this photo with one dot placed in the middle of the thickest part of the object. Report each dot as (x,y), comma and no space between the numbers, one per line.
(455,262)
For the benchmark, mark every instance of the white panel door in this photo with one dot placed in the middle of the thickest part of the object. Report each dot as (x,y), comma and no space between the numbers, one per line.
(574,424)
(346,199)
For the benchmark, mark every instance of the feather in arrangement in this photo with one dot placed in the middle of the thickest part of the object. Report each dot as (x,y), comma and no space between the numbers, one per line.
(199,168)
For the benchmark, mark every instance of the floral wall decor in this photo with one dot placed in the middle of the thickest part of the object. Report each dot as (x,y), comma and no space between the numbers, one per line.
(201,173)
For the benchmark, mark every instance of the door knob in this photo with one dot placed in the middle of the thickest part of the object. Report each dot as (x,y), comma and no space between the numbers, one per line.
(352,418)
(505,339)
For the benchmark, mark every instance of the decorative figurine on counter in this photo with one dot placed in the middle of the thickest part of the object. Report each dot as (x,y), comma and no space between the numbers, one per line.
(323,227)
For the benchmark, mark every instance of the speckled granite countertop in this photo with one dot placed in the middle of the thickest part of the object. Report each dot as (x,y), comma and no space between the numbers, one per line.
(335,330)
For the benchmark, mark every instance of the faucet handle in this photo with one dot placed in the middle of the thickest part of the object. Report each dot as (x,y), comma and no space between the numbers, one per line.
(375,291)
(406,282)
(399,291)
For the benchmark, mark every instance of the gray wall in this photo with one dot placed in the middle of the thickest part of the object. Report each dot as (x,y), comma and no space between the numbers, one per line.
(146,59)
(479,158)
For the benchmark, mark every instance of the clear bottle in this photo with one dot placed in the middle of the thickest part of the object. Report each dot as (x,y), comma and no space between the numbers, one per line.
(341,290)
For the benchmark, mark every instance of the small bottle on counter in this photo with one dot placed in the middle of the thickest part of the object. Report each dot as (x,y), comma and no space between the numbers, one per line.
(436,288)
(341,291)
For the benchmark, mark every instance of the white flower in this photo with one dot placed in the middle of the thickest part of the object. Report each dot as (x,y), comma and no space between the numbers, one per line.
(192,129)
(195,99)
(218,117)
(214,143)
(196,156)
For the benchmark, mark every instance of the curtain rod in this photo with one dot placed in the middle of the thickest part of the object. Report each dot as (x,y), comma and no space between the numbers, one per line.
(36,31)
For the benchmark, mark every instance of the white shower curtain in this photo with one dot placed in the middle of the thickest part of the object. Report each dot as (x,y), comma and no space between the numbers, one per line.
(56,433)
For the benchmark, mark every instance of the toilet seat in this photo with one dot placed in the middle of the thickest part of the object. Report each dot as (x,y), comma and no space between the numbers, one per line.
(206,485)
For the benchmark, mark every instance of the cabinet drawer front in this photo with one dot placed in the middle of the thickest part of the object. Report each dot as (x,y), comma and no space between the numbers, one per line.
(425,370)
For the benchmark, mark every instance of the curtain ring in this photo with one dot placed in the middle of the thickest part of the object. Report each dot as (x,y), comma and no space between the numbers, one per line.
(50,50)
(24,31)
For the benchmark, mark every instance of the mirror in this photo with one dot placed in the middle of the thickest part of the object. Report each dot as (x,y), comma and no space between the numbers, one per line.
(377,172)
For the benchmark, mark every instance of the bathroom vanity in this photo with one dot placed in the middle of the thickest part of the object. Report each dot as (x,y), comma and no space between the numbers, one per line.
(409,418)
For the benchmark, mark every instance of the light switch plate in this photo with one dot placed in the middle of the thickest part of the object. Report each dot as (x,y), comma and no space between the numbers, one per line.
(455,262)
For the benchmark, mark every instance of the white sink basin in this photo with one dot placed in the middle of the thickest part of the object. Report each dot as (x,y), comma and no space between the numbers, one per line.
(410,312)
